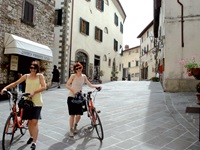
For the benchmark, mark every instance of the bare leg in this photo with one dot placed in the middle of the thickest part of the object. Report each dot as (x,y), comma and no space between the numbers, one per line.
(78,117)
(33,129)
(71,121)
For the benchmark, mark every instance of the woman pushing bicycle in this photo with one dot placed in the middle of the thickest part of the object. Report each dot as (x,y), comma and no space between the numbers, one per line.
(35,84)
(75,84)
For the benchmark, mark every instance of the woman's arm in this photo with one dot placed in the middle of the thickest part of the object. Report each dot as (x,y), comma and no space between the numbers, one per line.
(11,85)
(68,85)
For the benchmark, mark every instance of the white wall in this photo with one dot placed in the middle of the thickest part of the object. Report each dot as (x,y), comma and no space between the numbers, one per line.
(175,76)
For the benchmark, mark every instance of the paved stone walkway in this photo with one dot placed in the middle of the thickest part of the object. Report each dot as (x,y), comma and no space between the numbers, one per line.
(136,115)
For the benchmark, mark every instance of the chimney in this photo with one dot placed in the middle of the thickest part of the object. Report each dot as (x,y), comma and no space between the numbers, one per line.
(126,47)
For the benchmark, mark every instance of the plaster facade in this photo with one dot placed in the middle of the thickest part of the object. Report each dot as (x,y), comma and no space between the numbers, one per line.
(174,49)
(148,52)
(95,54)
(131,62)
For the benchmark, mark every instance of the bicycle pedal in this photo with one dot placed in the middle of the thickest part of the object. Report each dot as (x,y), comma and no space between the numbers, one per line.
(98,111)
(90,127)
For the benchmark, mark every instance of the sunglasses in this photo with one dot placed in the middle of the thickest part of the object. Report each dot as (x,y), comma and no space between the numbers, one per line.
(32,68)
(78,68)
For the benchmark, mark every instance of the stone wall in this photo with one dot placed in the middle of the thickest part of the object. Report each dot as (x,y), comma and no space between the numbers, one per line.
(10,22)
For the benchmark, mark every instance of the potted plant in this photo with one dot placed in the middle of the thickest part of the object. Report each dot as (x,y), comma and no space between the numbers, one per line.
(101,73)
(198,94)
(155,79)
(192,65)
(114,76)
(198,87)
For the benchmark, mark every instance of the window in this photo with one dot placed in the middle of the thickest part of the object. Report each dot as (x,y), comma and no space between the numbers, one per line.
(106,2)
(121,27)
(137,62)
(120,67)
(98,34)
(129,64)
(100,5)
(84,26)
(104,58)
(28,12)
(109,62)
(115,45)
(136,74)
(106,30)
(58,17)
(132,75)
(116,19)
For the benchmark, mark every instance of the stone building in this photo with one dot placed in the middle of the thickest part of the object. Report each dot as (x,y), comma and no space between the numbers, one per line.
(130,63)
(26,34)
(90,32)
(176,28)
(148,53)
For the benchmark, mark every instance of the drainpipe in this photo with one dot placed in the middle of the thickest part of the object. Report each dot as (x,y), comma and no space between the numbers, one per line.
(70,49)
(182,42)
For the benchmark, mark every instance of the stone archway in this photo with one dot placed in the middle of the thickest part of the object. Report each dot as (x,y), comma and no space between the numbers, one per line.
(83,59)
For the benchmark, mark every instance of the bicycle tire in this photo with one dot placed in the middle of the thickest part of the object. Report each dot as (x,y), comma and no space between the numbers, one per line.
(8,133)
(98,125)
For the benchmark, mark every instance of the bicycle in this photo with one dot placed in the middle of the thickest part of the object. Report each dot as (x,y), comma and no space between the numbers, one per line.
(93,113)
(14,120)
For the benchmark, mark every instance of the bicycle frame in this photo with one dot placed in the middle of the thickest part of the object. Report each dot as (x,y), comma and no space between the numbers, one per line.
(17,121)
(93,114)
(14,121)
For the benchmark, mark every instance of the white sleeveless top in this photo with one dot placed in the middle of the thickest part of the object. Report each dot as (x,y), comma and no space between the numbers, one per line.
(77,83)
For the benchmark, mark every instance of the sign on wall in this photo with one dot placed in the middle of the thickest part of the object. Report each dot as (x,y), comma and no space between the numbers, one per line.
(14,63)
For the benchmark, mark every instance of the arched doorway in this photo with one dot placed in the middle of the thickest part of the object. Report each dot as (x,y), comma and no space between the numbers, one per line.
(83,59)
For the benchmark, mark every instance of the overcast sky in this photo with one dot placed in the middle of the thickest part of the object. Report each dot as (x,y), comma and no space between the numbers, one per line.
(139,13)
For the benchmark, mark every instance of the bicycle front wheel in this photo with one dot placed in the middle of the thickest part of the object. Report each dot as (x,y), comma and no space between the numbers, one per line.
(8,133)
(24,126)
(98,125)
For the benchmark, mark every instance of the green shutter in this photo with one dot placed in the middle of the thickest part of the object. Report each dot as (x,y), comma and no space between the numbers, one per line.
(87,28)
(102,5)
(101,35)
(80,25)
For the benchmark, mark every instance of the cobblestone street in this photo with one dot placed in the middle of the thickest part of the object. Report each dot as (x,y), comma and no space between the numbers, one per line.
(136,115)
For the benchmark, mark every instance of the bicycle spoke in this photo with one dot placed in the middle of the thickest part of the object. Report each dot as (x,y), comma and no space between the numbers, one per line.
(8,133)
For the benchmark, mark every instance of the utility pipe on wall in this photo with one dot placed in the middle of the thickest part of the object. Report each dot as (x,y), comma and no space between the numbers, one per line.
(182,36)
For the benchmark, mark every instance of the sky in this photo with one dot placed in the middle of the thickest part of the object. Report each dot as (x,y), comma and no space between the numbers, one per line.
(139,13)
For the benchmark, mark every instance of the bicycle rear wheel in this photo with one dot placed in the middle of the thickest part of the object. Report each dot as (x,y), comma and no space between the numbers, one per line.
(8,133)
(97,125)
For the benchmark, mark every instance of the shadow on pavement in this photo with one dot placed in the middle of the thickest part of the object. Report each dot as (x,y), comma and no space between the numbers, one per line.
(84,133)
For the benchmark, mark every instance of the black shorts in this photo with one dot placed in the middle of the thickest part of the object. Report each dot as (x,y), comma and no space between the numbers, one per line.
(73,108)
(32,113)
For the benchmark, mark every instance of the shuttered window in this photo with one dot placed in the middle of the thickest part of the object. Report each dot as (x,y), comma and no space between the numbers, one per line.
(100,4)
(28,12)
(98,34)
(84,26)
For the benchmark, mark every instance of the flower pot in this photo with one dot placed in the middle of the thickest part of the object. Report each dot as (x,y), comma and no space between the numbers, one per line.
(198,98)
(196,73)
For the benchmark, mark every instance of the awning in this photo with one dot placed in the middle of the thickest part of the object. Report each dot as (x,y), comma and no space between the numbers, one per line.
(18,45)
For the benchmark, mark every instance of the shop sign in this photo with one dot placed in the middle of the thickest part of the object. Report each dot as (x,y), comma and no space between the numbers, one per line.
(14,63)
(35,55)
